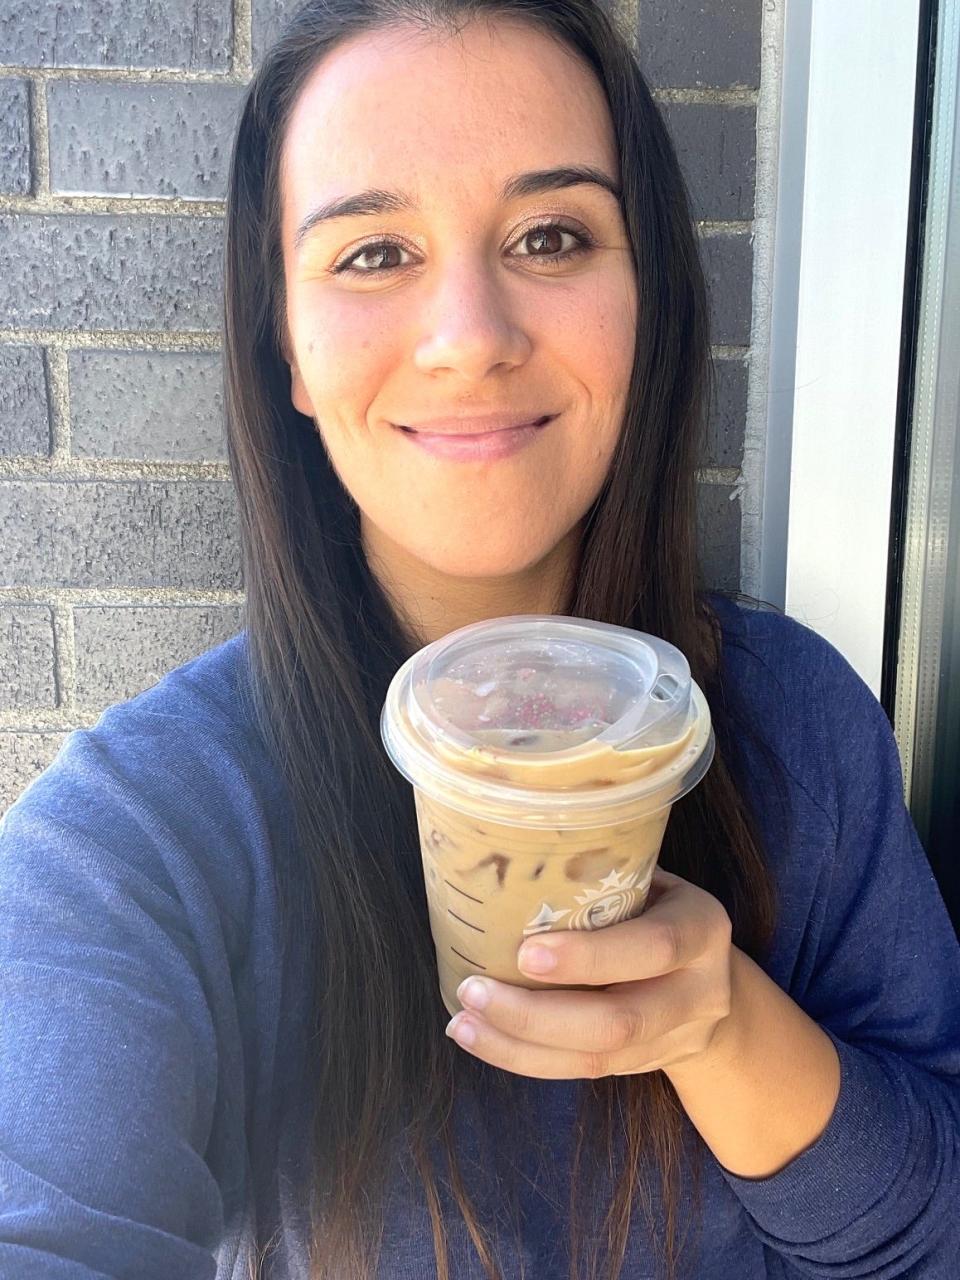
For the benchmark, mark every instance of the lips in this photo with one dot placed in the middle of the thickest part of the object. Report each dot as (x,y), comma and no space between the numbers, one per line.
(488,424)
(478,446)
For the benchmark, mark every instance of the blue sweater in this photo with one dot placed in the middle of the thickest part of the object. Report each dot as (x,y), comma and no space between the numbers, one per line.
(153,1070)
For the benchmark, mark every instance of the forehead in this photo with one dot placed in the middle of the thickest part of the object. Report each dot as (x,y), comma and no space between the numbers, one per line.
(412,109)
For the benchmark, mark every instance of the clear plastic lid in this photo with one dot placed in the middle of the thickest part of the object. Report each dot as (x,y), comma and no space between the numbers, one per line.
(542,718)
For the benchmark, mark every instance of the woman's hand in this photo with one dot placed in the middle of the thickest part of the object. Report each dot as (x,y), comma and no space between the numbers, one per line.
(663,988)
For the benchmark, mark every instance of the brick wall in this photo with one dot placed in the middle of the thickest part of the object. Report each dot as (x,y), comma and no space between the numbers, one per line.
(120,555)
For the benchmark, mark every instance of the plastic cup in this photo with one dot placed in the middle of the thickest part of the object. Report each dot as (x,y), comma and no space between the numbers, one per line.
(545,753)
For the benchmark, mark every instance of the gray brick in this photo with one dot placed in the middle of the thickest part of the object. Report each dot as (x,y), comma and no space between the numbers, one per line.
(26,658)
(187,35)
(86,533)
(718,536)
(269,17)
(121,652)
(23,757)
(178,398)
(700,43)
(728,267)
(727,420)
(89,271)
(15,138)
(141,139)
(24,419)
(717,150)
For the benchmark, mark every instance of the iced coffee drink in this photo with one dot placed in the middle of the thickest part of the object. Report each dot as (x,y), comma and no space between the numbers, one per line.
(545,754)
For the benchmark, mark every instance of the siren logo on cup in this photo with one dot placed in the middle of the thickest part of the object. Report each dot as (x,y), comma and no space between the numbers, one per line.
(604,907)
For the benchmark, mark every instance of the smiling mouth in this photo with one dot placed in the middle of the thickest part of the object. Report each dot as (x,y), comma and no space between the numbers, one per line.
(479,446)
(471,435)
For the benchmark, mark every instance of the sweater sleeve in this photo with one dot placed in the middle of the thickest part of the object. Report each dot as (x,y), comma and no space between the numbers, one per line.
(876,1195)
(108,1053)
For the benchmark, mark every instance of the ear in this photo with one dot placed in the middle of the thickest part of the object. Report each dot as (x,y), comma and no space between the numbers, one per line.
(298,392)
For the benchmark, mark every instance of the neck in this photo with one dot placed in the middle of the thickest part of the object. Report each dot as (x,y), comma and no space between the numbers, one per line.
(431,604)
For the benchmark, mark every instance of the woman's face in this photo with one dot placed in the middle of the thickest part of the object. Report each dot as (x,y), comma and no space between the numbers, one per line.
(457,305)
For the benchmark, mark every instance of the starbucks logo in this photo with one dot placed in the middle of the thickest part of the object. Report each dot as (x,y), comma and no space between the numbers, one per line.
(608,910)
(616,899)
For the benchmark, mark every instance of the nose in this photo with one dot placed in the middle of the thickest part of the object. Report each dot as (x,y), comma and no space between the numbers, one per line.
(469,323)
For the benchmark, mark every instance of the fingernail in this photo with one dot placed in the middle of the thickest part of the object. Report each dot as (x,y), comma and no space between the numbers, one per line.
(474,992)
(537,959)
(459,1030)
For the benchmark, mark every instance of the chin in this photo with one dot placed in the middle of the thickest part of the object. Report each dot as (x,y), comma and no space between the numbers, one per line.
(485,565)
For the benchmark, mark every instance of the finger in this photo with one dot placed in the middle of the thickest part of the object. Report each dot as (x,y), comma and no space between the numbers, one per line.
(588,1021)
(679,1015)
(681,924)
(630,1025)
(527,1059)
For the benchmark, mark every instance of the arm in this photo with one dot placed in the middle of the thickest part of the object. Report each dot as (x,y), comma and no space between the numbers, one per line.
(868,1186)
(767,1087)
(108,1053)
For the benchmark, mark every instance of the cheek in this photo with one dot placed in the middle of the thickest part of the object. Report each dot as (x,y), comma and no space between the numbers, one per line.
(346,353)
(610,340)
(594,341)
(592,333)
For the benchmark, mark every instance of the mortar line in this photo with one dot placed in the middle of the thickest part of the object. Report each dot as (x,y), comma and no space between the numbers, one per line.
(38,93)
(626,18)
(725,227)
(120,597)
(65,469)
(243,38)
(42,721)
(39,151)
(64,659)
(169,206)
(58,399)
(707,97)
(718,475)
(122,75)
(113,339)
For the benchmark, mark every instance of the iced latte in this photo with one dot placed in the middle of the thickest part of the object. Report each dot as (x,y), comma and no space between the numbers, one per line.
(545,753)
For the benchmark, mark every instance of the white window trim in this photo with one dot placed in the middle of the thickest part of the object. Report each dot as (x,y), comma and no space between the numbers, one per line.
(820,547)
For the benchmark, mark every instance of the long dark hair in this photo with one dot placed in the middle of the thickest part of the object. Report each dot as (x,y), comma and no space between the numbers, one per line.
(323,643)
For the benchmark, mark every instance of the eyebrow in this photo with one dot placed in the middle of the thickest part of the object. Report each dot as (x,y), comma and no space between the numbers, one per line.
(374,201)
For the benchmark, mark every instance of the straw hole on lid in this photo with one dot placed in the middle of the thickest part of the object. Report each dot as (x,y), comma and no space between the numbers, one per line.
(665,688)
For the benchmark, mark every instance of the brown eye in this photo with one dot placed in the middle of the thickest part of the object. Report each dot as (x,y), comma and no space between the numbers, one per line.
(549,234)
(380,248)
(549,238)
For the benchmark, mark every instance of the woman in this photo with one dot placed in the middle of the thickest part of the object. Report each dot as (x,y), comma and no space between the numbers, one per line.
(225,1048)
